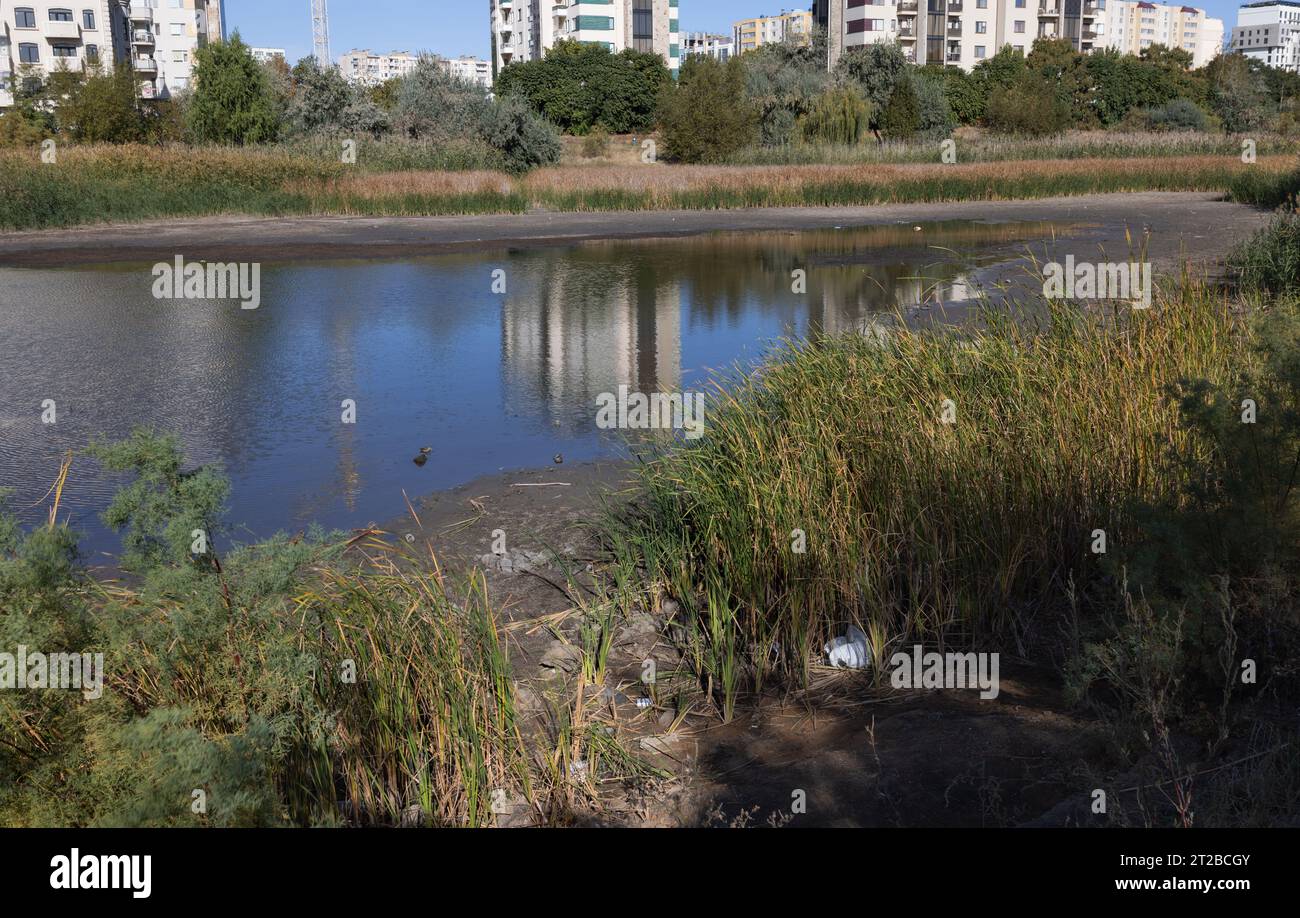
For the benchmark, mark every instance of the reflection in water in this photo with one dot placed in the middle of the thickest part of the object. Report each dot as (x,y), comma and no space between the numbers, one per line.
(430,355)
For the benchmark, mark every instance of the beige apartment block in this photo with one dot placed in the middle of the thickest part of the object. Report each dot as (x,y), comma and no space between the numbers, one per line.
(39,36)
(370,69)
(163,38)
(962,33)
(795,25)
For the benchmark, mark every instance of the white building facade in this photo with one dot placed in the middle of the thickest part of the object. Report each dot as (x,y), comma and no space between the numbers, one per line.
(469,69)
(722,47)
(962,33)
(370,69)
(1269,33)
(523,30)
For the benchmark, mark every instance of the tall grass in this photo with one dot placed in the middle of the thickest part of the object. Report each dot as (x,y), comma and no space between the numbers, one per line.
(131,183)
(429,719)
(995,148)
(916,528)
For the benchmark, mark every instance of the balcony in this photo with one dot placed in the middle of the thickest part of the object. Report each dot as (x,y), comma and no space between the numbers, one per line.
(954,6)
(908,6)
(144,65)
(62,31)
(954,31)
(142,37)
(140,13)
(1049,9)
(954,57)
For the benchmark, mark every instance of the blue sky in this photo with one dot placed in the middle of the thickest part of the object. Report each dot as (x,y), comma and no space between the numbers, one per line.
(453,27)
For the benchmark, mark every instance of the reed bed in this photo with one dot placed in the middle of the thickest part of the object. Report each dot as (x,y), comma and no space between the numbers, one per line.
(998,148)
(131,183)
(916,529)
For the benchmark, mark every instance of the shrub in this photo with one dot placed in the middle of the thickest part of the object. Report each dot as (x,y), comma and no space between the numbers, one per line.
(935,115)
(522,136)
(1178,115)
(840,116)
(706,117)
(596,144)
(1026,109)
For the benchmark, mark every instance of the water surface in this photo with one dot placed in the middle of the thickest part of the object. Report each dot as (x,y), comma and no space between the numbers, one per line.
(431,355)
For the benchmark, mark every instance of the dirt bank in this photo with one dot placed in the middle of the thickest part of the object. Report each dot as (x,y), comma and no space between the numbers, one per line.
(1192,223)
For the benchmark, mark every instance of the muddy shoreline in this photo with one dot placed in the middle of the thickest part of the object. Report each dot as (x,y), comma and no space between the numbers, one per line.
(1192,224)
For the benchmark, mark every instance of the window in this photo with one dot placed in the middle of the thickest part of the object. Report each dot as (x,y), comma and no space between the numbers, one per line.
(979,52)
(1020,4)
(29,54)
(981,28)
(179,57)
(87,19)
(92,53)
(64,50)
(61,16)
(25,18)
(981,4)
(178,28)
(1020,27)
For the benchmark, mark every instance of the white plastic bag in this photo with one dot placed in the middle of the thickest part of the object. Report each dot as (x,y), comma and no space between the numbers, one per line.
(849,651)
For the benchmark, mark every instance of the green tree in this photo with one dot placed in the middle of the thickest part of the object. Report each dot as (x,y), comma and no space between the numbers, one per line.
(902,115)
(579,85)
(232,100)
(783,81)
(706,117)
(104,107)
(839,115)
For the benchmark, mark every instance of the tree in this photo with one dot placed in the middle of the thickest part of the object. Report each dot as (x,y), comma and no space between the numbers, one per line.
(1025,109)
(105,108)
(579,85)
(876,69)
(838,115)
(706,117)
(232,101)
(321,100)
(902,115)
(784,80)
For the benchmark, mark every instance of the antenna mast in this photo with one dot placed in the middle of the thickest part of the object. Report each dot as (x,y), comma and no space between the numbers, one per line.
(320,33)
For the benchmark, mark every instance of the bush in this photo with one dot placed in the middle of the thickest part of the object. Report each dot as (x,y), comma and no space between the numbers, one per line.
(1026,109)
(706,117)
(521,135)
(839,116)
(935,114)
(1178,115)
(596,144)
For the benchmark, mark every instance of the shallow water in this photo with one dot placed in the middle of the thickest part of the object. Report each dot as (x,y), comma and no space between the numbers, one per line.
(431,355)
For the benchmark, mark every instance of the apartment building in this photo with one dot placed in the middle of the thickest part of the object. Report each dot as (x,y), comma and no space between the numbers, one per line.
(720,46)
(266,55)
(370,69)
(159,37)
(470,69)
(1269,33)
(523,30)
(962,33)
(163,38)
(38,36)
(1131,27)
(748,34)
